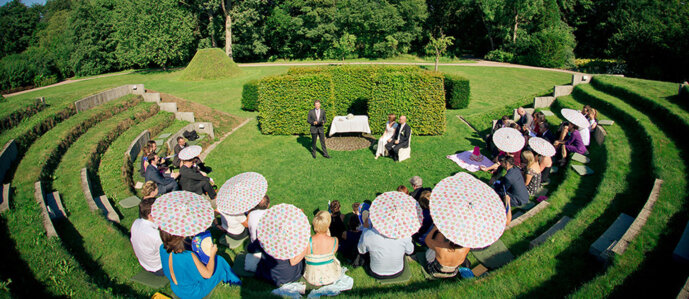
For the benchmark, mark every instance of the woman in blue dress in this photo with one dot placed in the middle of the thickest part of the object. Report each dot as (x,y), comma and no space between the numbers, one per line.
(189,277)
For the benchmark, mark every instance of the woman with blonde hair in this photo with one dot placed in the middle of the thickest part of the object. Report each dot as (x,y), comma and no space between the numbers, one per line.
(532,172)
(322,267)
(390,128)
(150,190)
(593,118)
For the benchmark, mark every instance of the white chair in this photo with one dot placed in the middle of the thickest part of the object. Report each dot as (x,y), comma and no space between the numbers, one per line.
(404,153)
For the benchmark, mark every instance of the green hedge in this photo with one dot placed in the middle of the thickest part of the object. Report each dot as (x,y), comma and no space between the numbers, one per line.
(285,100)
(419,96)
(351,89)
(457,91)
(250,96)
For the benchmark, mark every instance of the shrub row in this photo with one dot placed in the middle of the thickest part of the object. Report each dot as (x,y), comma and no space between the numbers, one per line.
(457,91)
(285,100)
(48,260)
(13,118)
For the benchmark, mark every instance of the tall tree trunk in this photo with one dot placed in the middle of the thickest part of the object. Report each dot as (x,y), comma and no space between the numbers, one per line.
(212,32)
(228,35)
(516,26)
(437,58)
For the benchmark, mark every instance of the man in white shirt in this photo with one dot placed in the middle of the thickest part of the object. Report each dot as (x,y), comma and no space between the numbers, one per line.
(146,239)
(386,255)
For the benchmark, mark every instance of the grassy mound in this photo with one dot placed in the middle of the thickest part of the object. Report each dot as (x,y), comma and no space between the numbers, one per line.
(210,64)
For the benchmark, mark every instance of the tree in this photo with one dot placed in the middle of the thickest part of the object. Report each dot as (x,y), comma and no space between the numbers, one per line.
(94,46)
(18,24)
(438,46)
(345,46)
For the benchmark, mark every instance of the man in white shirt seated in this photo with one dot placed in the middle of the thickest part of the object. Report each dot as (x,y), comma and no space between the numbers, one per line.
(146,239)
(386,255)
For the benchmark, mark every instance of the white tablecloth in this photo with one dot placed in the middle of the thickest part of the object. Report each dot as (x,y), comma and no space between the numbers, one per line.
(463,160)
(341,124)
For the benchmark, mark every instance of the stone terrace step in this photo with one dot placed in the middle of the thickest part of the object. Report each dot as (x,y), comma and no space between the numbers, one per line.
(558,226)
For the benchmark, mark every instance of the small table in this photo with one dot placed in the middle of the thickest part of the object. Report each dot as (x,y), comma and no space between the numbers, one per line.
(340,124)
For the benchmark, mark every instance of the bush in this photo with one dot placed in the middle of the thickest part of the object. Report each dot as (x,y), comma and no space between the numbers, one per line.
(250,96)
(210,64)
(457,91)
(353,90)
(551,47)
(284,101)
(499,56)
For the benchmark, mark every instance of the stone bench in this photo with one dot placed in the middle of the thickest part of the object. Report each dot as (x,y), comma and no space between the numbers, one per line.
(530,213)
(7,157)
(47,220)
(684,292)
(558,226)
(639,221)
(5,204)
(681,252)
(599,135)
(562,90)
(107,96)
(543,102)
(199,127)
(581,79)
(100,203)
(600,249)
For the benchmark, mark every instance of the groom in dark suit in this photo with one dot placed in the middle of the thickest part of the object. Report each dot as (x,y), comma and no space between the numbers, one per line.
(400,139)
(316,119)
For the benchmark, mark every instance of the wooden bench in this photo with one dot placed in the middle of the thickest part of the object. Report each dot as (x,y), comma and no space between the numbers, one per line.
(617,237)
(558,226)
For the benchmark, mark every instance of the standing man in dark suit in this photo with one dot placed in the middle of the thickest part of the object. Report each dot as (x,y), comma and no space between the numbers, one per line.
(316,119)
(165,184)
(400,139)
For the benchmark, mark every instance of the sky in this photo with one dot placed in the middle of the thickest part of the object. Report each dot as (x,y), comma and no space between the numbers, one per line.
(27,2)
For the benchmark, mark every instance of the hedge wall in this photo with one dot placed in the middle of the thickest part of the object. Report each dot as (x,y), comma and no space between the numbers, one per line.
(250,96)
(285,100)
(457,91)
(419,96)
(352,90)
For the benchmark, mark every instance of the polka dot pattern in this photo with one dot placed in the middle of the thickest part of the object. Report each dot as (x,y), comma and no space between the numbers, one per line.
(508,140)
(396,215)
(241,193)
(541,146)
(467,211)
(190,152)
(182,213)
(284,231)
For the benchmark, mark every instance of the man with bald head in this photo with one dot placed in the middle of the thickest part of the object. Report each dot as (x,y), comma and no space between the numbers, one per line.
(400,139)
(525,119)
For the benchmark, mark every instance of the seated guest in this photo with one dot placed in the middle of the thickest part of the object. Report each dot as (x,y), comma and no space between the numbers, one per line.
(165,184)
(444,257)
(193,180)
(532,172)
(386,255)
(593,119)
(403,189)
(508,210)
(424,201)
(390,128)
(546,133)
(496,169)
(146,238)
(572,142)
(337,226)
(181,144)
(233,225)
(350,239)
(251,222)
(322,267)
(512,184)
(417,184)
(544,164)
(189,277)
(279,272)
(400,139)
(150,190)
(525,120)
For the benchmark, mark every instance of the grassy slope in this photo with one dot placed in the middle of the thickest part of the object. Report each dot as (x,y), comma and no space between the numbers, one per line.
(645,260)
(210,64)
(47,259)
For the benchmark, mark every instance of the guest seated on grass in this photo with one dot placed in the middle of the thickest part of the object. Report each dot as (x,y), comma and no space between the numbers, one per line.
(193,180)
(593,119)
(252,220)
(503,122)
(424,201)
(546,133)
(322,267)
(385,255)
(416,183)
(525,119)
(403,189)
(233,225)
(570,142)
(150,190)
(146,238)
(165,184)
(545,163)
(444,257)
(496,169)
(181,144)
(337,226)
(512,184)
(150,148)
(350,240)
(189,277)
(279,272)
(532,172)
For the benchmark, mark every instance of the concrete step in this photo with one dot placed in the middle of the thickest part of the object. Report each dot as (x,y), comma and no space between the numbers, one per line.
(185,116)
(610,237)
(168,106)
(558,226)
(152,97)
(562,90)
(543,102)
(108,211)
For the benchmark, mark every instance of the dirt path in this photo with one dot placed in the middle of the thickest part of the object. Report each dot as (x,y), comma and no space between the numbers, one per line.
(478,62)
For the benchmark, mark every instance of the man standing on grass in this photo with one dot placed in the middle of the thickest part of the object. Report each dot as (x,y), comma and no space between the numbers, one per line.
(316,118)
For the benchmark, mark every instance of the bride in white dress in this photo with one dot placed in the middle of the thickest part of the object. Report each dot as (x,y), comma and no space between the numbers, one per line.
(390,128)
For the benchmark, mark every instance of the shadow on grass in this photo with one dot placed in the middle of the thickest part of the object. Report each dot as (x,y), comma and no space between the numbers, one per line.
(24,284)
(73,241)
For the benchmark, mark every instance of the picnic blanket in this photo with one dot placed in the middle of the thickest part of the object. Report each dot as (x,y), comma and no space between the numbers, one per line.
(462,159)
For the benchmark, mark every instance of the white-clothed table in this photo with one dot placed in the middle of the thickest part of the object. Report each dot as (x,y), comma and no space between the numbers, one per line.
(340,124)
